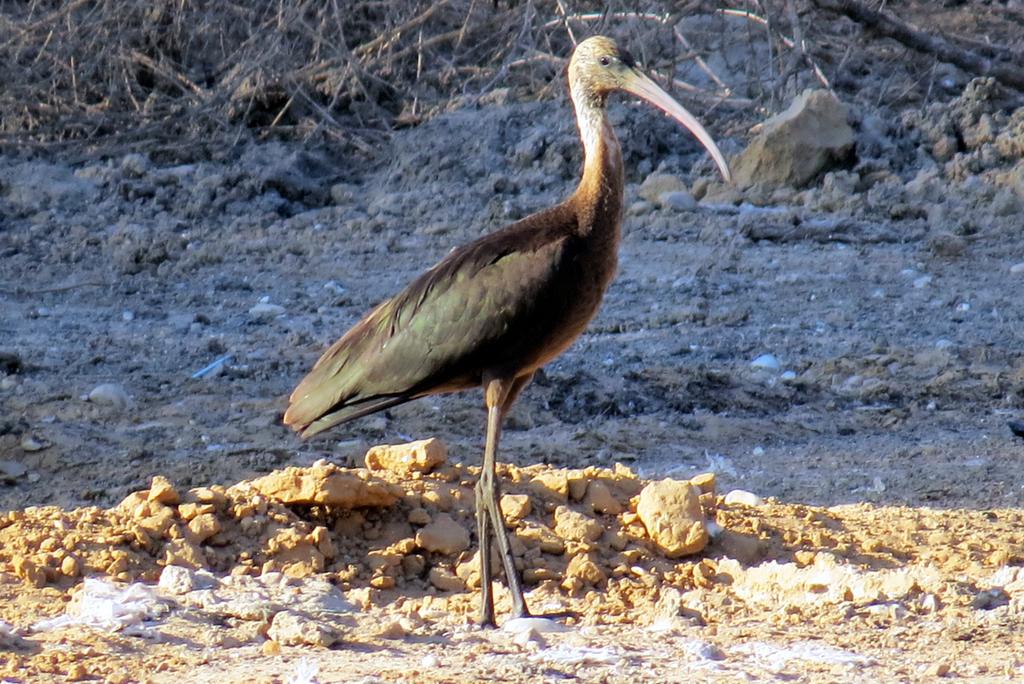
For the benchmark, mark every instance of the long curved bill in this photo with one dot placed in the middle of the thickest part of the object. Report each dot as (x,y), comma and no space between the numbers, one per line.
(640,85)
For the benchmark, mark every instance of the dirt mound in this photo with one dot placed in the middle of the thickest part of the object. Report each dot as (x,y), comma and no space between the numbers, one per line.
(359,528)
(341,559)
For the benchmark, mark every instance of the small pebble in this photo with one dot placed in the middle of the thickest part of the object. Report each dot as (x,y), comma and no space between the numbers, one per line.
(264,310)
(109,394)
(743,498)
(922,282)
(990,598)
(766,362)
(30,443)
(680,200)
(1017,268)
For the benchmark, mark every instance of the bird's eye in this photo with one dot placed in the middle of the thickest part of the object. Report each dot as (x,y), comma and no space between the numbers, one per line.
(605,60)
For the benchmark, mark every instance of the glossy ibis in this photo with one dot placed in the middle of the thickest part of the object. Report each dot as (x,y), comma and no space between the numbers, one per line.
(495,310)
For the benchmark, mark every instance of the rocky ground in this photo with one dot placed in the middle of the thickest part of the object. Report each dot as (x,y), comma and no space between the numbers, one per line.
(837,336)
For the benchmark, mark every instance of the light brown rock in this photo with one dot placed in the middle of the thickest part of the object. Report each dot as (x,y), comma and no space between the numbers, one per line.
(440,500)
(577,483)
(383,582)
(292,629)
(443,535)
(670,511)
(575,526)
(796,145)
(70,567)
(208,495)
(183,553)
(29,571)
(599,499)
(203,527)
(188,511)
(445,580)
(421,456)
(163,491)
(542,538)
(419,516)
(515,506)
(705,482)
(327,485)
(551,485)
(584,568)
(159,521)
(657,185)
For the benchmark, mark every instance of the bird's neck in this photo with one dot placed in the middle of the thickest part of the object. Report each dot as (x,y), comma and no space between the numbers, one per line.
(599,196)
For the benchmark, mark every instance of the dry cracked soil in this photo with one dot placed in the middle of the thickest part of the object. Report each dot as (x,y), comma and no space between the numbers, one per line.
(848,353)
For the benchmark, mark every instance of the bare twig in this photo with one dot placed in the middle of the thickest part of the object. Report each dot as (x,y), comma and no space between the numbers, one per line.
(885,24)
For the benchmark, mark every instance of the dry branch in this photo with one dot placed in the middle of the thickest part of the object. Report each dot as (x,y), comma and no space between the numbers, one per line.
(889,26)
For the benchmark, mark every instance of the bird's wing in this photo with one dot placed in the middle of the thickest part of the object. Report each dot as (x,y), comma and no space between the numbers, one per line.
(438,333)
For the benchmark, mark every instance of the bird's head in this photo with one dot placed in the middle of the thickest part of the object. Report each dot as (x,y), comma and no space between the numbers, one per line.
(599,67)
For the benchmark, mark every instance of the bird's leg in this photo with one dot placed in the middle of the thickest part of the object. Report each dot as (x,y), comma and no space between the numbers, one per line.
(499,395)
(483,526)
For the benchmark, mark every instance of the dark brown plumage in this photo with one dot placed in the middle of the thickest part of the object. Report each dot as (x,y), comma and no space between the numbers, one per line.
(495,310)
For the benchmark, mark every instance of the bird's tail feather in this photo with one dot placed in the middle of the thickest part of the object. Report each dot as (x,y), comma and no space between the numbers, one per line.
(351,412)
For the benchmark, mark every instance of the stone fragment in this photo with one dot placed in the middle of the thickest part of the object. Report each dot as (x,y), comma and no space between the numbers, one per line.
(575,526)
(705,482)
(583,568)
(159,520)
(266,310)
(188,511)
(767,362)
(657,185)
(421,456)
(324,484)
(515,506)
(542,538)
(680,200)
(551,485)
(30,444)
(293,629)
(29,571)
(162,491)
(392,629)
(443,535)
(743,498)
(208,495)
(418,516)
(183,553)
(70,567)
(203,527)
(796,145)
(445,580)
(670,511)
(383,582)
(440,500)
(577,482)
(110,394)
(599,499)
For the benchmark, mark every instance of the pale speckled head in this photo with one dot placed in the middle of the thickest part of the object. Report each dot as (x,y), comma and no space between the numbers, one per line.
(599,66)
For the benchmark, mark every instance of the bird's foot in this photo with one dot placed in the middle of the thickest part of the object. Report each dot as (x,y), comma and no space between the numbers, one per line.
(552,615)
(545,622)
